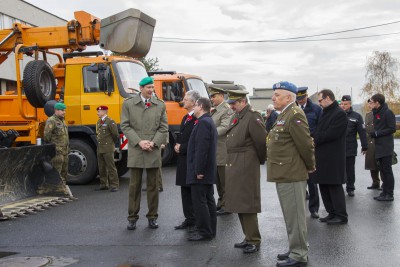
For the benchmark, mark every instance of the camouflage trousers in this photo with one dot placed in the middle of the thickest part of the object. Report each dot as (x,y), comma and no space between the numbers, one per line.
(60,163)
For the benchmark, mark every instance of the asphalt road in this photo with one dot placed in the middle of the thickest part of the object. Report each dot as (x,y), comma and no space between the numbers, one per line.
(92,231)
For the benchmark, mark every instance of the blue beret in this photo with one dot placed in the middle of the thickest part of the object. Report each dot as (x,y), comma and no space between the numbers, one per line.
(60,106)
(146,81)
(285,86)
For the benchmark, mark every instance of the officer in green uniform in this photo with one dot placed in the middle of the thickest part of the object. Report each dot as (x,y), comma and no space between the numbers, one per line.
(144,123)
(245,145)
(56,132)
(290,157)
(107,136)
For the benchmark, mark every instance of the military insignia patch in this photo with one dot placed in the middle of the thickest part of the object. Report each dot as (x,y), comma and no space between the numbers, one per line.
(298,122)
(280,123)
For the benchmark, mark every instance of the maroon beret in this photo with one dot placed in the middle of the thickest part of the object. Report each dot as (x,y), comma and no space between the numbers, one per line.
(102,108)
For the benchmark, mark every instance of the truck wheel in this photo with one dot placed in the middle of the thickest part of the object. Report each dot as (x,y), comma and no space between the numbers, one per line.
(82,162)
(167,154)
(121,165)
(39,83)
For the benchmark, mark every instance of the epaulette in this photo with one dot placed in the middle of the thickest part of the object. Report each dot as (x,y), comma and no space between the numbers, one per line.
(130,96)
(295,109)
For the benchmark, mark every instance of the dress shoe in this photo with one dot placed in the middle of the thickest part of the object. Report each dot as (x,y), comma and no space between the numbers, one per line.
(199,237)
(350,193)
(284,256)
(380,195)
(114,189)
(153,223)
(131,225)
(101,188)
(336,221)
(325,219)
(183,225)
(242,244)
(192,229)
(380,188)
(373,186)
(250,248)
(314,215)
(291,263)
(222,211)
(385,198)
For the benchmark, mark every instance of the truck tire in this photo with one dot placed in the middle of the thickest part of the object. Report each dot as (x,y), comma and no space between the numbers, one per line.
(82,162)
(121,165)
(167,154)
(39,83)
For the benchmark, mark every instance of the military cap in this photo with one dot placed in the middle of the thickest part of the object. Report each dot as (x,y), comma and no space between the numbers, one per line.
(146,81)
(285,86)
(234,95)
(60,106)
(216,90)
(346,98)
(301,92)
(102,108)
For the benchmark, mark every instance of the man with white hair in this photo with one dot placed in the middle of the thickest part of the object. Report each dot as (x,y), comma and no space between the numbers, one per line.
(271,117)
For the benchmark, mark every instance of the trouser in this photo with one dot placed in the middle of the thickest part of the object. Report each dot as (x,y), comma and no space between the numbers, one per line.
(187,205)
(375,177)
(350,173)
(249,223)
(159,180)
(221,186)
(334,201)
(385,166)
(292,197)
(135,185)
(204,209)
(107,170)
(313,200)
(60,163)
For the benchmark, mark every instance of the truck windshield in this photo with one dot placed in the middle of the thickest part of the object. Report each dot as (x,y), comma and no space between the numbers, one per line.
(130,74)
(198,85)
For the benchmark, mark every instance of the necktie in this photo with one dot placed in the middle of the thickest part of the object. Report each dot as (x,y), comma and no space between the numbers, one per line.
(303,106)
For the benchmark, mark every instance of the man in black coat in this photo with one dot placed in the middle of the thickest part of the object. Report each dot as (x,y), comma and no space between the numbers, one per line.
(202,171)
(384,126)
(271,117)
(355,125)
(181,146)
(330,156)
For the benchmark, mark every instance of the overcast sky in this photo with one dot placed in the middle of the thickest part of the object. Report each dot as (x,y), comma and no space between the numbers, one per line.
(337,65)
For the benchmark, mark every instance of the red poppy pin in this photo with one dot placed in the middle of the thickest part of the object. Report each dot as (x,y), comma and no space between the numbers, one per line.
(234,121)
(377,116)
(195,122)
(148,104)
(189,118)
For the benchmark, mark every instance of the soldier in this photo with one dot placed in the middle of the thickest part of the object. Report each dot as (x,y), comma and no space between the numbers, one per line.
(290,158)
(56,132)
(107,136)
(370,162)
(355,125)
(246,149)
(144,123)
(221,115)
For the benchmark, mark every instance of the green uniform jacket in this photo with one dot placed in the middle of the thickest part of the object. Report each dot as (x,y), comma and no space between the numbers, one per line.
(290,148)
(370,161)
(221,116)
(56,132)
(107,135)
(144,123)
(245,144)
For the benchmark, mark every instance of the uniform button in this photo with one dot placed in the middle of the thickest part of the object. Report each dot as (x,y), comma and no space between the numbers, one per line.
(230,165)
(280,163)
(226,165)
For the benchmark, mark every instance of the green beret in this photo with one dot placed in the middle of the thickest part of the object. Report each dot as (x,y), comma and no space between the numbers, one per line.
(234,95)
(60,106)
(215,90)
(146,81)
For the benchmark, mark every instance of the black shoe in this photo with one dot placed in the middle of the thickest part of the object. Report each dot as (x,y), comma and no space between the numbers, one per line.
(101,188)
(199,237)
(183,225)
(385,198)
(292,263)
(380,188)
(336,221)
(380,195)
(242,244)
(192,229)
(350,193)
(114,189)
(131,225)
(284,256)
(373,186)
(325,219)
(222,211)
(250,248)
(314,215)
(153,223)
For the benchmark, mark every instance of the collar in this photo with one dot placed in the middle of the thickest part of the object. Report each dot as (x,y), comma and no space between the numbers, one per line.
(104,117)
(144,99)
(191,113)
(287,106)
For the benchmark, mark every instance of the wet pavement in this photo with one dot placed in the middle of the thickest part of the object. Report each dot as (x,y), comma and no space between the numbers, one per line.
(92,231)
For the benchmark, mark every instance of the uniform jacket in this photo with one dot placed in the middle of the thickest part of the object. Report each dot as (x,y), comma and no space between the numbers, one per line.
(313,113)
(370,161)
(202,152)
(271,120)
(183,139)
(290,148)
(330,146)
(107,135)
(139,122)
(221,116)
(56,132)
(385,127)
(246,146)
(355,125)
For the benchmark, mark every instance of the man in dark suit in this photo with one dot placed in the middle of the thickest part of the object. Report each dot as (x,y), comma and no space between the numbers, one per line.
(330,156)
(181,147)
(202,171)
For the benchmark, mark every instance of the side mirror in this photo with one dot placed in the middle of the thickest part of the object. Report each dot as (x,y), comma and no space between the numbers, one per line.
(103,71)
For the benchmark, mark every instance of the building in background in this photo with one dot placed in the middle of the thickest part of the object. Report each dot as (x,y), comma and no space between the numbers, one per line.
(261,98)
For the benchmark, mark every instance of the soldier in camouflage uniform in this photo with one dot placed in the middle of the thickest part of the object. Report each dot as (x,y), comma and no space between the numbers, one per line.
(56,132)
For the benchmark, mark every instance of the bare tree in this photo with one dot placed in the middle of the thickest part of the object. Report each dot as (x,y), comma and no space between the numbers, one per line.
(381,76)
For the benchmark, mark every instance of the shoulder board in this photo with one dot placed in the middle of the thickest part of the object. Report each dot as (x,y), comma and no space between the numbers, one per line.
(130,97)
(159,99)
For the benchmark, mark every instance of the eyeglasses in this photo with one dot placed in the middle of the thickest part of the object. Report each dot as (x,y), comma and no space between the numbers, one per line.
(320,100)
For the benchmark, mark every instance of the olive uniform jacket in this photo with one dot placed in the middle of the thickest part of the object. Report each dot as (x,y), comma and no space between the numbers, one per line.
(139,122)
(221,116)
(56,132)
(370,161)
(246,148)
(107,135)
(290,148)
